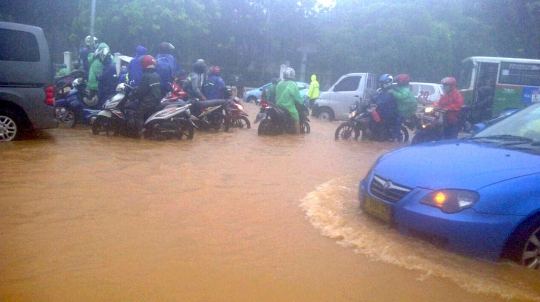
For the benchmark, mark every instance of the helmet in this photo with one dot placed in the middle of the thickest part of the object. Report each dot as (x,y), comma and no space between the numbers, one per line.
(386,80)
(215,70)
(199,66)
(403,79)
(289,73)
(166,47)
(148,62)
(88,39)
(101,53)
(77,82)
(449,84)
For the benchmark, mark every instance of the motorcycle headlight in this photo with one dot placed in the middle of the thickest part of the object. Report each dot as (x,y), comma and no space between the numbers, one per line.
(451,201)
(428,109)
(352,114)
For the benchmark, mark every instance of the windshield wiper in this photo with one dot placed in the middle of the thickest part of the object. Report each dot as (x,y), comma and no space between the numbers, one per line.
(503,137)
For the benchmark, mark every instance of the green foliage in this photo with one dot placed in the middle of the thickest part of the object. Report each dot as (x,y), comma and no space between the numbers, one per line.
(424,38)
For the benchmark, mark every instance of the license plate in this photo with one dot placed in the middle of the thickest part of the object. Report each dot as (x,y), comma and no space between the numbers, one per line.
(377,208)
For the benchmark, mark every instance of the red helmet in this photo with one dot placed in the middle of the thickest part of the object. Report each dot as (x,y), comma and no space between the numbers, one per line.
(403,79)
(148,62)
(449,84)
(215,70)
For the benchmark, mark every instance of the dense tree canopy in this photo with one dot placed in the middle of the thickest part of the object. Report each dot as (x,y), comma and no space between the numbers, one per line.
(254,37)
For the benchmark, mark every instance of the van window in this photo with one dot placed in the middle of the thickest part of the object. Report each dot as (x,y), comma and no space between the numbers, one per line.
(348,84)
(18,46)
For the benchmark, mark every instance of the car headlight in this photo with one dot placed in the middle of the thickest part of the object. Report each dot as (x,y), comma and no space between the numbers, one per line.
(451,201)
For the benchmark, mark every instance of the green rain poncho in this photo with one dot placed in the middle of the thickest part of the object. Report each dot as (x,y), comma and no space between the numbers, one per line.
(405,100)
(96,68)
(286,95)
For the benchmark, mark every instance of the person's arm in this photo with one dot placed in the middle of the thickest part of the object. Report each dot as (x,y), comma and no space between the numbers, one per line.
(456,101)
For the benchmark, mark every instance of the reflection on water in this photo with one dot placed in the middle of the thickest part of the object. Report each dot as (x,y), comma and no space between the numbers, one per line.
(86,218)
(333,209)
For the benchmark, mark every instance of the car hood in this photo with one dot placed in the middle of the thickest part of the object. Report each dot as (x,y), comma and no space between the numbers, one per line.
(454,164)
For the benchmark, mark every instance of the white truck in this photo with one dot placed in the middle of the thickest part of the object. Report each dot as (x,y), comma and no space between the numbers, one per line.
(334,104)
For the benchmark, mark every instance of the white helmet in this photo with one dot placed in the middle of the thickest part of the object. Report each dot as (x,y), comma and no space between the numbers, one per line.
(88,39)
(101,53)
(289,73)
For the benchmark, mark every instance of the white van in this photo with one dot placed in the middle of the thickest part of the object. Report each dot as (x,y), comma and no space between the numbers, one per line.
(334,104)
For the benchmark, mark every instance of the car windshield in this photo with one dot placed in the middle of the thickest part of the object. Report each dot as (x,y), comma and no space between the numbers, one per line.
(519,131)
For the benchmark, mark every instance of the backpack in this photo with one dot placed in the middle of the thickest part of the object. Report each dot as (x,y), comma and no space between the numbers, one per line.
(164,70)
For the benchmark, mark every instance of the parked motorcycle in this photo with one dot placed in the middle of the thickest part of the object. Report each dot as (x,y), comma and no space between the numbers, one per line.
(72,109)
(365,123)
(277,120)
(64,84)
(172,120)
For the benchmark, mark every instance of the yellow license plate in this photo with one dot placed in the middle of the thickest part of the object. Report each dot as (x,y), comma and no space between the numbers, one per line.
(377,208)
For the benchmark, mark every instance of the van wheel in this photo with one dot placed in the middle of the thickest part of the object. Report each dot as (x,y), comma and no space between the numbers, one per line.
(326,115)
(10,126)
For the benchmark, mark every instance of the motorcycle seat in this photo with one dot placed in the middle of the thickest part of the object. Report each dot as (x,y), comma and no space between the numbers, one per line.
(211,103)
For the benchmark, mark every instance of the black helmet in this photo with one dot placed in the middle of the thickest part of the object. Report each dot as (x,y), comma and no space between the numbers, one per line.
(166,47)
(199,66)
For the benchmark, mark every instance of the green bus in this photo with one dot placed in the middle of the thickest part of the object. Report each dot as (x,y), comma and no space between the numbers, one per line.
(491,85)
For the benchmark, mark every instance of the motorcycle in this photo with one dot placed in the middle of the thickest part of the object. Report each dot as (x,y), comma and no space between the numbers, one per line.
(277,120)
(211,114)
(432,126)
(239,117)
(72,109)
(365,123)
(64,84)
(170,121)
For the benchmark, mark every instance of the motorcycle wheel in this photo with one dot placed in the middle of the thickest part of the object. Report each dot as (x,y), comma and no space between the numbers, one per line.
(186,131)
(218,120)
(305,128)
(263,127)
(241,122)
(419,138)
(101,125)
(347,131)
(66,118)
(403,135)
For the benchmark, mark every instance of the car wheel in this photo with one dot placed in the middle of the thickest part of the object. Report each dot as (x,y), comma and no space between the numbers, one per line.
(525,244)
(346,131)
(10,126)
(325,115)
(252,98)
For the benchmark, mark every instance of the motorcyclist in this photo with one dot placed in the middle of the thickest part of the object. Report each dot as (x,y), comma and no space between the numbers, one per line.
(287,95)
(96,68)
(107,80)
(405,101)
(167,66)
(135,69)
(386,106)
(214,87)
(451,101)
(148,93)
(269,93)
(193,83)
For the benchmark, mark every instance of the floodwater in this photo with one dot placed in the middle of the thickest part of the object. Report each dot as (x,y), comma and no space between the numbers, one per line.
(224,217)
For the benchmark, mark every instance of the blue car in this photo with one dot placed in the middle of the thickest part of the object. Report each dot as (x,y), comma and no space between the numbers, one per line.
(254,94)
(478,196)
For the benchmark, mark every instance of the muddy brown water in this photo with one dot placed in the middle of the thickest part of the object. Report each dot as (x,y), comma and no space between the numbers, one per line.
(224,217)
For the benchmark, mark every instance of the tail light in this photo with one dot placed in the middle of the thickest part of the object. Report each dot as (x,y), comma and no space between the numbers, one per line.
(264,104)
(49,95)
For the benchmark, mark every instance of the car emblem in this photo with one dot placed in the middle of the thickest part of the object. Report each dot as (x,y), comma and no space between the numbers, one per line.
(387,184)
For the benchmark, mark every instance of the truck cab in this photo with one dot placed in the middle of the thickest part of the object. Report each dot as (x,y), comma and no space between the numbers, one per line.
(334,104)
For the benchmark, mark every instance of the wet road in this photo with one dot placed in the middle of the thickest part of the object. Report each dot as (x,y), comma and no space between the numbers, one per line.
(225,217)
